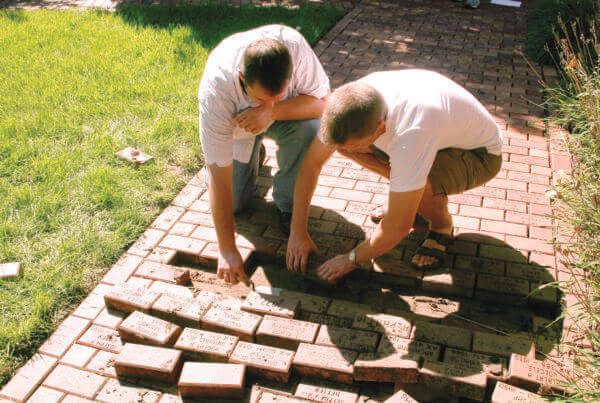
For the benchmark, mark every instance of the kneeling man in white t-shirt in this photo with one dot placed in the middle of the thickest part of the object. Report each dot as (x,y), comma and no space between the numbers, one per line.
(428,135)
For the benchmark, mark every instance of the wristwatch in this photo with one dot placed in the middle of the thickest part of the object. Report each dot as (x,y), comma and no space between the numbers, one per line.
(352,257)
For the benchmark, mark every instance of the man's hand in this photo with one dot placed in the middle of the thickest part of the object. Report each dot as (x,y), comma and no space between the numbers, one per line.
(298,249)
(255,120)
(335,268)
(231,267)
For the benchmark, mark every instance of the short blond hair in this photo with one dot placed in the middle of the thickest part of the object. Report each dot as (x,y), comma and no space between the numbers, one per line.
(351,111)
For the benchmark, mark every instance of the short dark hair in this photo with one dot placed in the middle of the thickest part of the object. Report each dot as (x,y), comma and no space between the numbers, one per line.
(267,61)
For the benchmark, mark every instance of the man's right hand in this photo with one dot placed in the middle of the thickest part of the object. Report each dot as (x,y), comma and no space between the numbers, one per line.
(230,267)
(298,249)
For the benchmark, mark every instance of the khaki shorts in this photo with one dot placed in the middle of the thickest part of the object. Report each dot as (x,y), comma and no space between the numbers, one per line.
(455,170)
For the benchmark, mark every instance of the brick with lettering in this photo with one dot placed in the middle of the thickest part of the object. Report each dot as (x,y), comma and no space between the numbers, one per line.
(122,270)
(527,372)
(383,367)
(264,361)
(409,349)
(277,305)
(128,298)
(148,362)
(103,363)
(118,391)
(163,272)
(73,380)
(495,344)
(459,381)
(145,329)
(401,396)
(102,338)
(64,336)
(231,321)
(202,345)
(490,364)
(264,395)
(331,363)
(346,309)
(451,282)
(505,393)
(324,391)
(383,323)
(212,380)
(285,333)
(351,339)
(185,312)
(308,302)
(440,334)
(177,291)
(28,378)
(325,319)
(503,285)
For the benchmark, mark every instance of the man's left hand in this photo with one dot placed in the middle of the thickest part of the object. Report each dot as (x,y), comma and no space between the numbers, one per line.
(335,268)
(255,120)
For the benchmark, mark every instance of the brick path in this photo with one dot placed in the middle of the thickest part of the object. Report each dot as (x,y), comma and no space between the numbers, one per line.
(475,321)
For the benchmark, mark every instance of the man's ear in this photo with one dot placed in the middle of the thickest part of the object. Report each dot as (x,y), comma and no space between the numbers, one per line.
(381,126)
(241,76)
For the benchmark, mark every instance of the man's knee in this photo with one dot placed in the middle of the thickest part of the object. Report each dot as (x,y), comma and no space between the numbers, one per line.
(307,129)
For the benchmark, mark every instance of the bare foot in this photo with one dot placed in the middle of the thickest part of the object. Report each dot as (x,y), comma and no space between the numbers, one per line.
(421,260)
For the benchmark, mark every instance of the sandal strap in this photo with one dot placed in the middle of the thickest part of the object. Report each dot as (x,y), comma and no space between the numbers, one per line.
(441,238)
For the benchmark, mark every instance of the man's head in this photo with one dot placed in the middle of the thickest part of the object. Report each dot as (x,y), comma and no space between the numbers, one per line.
(267,68)
(354,117)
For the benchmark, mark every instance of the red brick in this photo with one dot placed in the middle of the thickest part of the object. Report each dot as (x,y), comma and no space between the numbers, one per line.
(541,170)
(93,303)
(359,174)
(167,218)
(74,381)
(505,393)
(530,244)
(128,298)
(258,243)
(196,218)
(308,302)
(326,319)
(210,380)
(203,206)
(163,272)
(185,312)
(515,150)
(467,199)
(146,329)
(360,208)
(285,333)
(78,355)
(508,205)
(345,309)
(323,391)
(201,345)
(231,321)
(487,343)
(502,253)
(401,396)
(342,216)
(122,270)
(466,222)
(331,363)
(479,265)
(504,285)
(188,195)
(490,364)
(372,187)
(28,377)
(546,296)
(172,290)
(507,184)
(207,234)
(545,234)
(528,197)
(119,391)
(146,242)
(102,338)
(329,203)
(160,255)
(453,282)
(529,272)
(182,229)
(531,160)
(481,212)
(264,361)
(277,305)
(322,191)
(527,372)
(352,195)
(103,363)
(351,339)
(64,336)
(383,367)
(515,166)
(504,227)
(383,323)
(336,182)
(439,334)
(529,219)
(530,178)
(45,395)
(459,381)
(148,362)
(183,244)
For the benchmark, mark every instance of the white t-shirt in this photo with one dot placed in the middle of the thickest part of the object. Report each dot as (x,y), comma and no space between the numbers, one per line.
(221,95)
(428,112)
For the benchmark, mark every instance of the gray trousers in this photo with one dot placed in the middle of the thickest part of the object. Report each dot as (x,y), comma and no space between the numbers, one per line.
(293,138)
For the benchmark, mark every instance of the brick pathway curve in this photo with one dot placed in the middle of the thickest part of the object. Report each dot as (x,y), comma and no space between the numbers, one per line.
(480,314)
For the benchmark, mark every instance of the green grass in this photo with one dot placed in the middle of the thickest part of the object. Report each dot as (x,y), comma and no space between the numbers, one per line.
(75,87)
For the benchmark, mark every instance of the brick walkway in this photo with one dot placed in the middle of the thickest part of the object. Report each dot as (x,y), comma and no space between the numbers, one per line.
(468,328)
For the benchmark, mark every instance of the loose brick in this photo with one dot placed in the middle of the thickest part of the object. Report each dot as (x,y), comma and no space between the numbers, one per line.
(351,339)
(146,329)
(201,345)
(231,321)
(308,302)
(74,381)
(102,338)
(185,312)
(494,344)
(504,393)
(163,272)
(383,367)
(383,323)
(323,391)
(440,334)
(127,298)
(409,349)
(527,372)
(64,336)
(264,361)
(122,270)
(452,282)
(326,319)
(459,381)
(212,380)
(346,309)
(277,305)
(103,363)
(503,285)
(28,377)
(285,333)
(325,362)
(118,391)
(148,362)
(490,364)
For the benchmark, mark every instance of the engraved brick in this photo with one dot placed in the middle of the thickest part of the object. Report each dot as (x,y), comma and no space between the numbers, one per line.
(546,295)
(161,255)
(28,377)
(231,321)
(490,364)
(128,298)
(163,272)
(177,291)
(383,367)
(183,244)
(527,372)
(148,362)
(346,309)
(326,319)
(453,282)
(264,361)
(167,218)
(479,265)
(145,329)
(440,334)
(102,338)
(64,336)
(103,363)
(198,218)
(459,381)
(212,380)
(505,393)
(146,242)
(273,396)
(336,182)
(494,344)
(188,195)
(325,362)
(323,391)
(202,345)
(502,253)
(504,285)
(277,305)
(119,391)
(93,304)
(401,396)
(308,302)
(185,312)
(383,323)
(528,272)
(351,339)
(409,349)
(122,270)
(285,333)
(74,381)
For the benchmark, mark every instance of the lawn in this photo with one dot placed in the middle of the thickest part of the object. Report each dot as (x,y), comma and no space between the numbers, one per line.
(75,87)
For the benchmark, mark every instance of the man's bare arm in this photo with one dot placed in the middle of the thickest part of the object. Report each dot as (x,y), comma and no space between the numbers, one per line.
(299,108)
(369,161)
